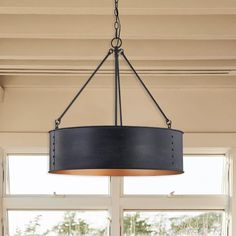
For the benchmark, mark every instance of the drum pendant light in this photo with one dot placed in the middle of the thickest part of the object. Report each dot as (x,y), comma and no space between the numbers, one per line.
(116,150)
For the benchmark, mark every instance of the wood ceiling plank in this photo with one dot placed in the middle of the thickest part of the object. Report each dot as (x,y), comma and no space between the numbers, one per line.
(40,49)
(124,4)
(140,64)
(97,11)
(191,27)
(101,81)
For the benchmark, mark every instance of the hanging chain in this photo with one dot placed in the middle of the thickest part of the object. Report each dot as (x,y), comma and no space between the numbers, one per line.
(117,24)
(58,120)
(116,41)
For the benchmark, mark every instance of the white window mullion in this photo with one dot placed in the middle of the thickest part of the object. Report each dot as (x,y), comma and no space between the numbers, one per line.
(175,202)
(57,203)
(1,191)
(115,206)
(232,203)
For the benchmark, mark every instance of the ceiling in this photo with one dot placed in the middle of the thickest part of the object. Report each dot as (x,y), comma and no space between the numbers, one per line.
(69,37)
(184,50)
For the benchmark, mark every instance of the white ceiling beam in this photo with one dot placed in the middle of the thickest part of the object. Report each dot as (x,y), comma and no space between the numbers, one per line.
(123,71)
(155,82)
(40,49)
(139,64)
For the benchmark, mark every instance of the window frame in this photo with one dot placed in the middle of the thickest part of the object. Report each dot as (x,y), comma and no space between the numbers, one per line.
(117,202)
(184,202)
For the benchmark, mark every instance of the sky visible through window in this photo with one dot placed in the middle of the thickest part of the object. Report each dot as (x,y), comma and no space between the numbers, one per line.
(203,175)
(29,175)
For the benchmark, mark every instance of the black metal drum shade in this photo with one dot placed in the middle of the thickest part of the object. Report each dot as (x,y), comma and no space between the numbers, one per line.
(116,151)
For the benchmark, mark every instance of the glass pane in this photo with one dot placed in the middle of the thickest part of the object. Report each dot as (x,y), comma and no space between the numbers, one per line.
(28,174)
(203,175)
(173,223)
(54,223)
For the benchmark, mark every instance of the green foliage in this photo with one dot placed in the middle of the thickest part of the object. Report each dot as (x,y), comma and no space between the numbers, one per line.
(18,232)
(33,226)
(98,232)
(134,225)
(199,225)
(71,225)
(31,229)
(161,225)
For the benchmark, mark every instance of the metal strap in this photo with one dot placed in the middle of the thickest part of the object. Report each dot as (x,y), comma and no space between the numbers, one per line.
(117,88)
(58,120)
(168,121)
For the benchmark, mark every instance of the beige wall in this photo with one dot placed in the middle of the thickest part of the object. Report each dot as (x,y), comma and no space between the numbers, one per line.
(202,106)
(193,103)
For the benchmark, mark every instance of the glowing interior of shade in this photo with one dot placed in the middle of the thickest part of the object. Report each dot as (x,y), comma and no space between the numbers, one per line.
(117,172)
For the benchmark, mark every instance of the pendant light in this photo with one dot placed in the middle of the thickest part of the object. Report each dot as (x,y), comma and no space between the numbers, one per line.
(116,150)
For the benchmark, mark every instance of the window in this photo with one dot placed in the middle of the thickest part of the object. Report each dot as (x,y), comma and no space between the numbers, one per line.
(38,203)
(53,223)
(176,223)
(203,175)
(28,174)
